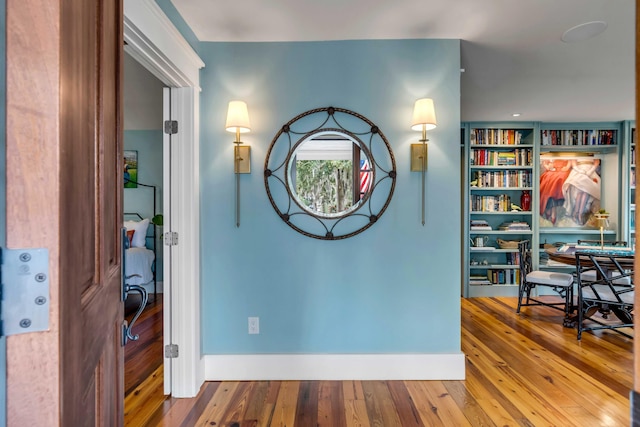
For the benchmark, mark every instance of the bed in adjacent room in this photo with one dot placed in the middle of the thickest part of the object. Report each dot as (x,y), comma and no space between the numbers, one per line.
(139,251)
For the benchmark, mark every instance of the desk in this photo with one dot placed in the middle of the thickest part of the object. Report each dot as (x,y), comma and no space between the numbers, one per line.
(607,263)
(625,258)
(606,260)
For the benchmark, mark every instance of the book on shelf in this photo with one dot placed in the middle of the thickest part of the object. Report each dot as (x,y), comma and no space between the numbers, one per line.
(499,203)
(578,137)
(495,137)
(479,224)
(479,280)
(494,157)
(515,226)
(501,276)
(506,179)
(513,258)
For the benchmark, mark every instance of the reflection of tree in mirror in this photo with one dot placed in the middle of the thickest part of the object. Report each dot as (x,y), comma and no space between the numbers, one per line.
(325,186)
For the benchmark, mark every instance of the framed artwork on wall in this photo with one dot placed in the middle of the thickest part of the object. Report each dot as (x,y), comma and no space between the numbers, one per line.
(569,190)
(130,169)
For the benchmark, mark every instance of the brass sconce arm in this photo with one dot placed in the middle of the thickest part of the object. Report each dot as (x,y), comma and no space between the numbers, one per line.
(238,122)
(424,117)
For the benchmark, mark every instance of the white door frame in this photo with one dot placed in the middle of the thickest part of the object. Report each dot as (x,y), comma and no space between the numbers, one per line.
(155,42)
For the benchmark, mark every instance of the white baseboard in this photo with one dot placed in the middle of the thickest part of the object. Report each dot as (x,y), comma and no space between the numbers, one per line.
(262,367)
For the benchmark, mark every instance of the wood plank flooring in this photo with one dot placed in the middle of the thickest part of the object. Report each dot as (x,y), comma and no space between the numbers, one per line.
(522,370)
(143,374)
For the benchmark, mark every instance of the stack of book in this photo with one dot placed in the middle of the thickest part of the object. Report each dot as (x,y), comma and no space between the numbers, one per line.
(483,248)
(479,224)
(479,280)
(515,226)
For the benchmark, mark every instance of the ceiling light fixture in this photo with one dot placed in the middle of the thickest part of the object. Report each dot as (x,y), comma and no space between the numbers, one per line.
(584,31)
(516,114)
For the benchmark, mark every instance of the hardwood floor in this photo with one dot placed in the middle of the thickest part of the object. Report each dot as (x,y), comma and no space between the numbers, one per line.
(143,375)
(522,370)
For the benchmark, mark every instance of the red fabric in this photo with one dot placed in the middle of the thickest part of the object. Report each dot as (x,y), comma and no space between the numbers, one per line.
(130,236)
(551,183)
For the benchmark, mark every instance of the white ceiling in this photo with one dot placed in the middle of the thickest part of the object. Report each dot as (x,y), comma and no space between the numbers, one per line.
(511,51)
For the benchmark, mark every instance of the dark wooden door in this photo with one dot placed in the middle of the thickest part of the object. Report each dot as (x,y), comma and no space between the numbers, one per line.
(64,149)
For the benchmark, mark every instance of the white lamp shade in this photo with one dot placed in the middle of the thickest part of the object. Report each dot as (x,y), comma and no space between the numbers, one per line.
(424,114)
(238,117)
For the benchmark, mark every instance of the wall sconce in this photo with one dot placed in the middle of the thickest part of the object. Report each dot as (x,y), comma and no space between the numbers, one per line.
(424,117)
(238,122)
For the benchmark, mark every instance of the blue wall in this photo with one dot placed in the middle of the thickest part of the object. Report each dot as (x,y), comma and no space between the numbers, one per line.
(148,143)
(394,288)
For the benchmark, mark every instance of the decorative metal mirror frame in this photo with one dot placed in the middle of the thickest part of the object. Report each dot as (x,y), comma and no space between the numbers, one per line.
(278,174)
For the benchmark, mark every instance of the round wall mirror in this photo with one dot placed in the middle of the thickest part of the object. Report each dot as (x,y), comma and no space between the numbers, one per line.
(330,173)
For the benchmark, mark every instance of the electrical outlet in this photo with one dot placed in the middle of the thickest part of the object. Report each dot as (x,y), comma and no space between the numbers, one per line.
(254,325)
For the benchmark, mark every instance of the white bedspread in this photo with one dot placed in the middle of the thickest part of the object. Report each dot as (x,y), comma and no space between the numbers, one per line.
(138,261)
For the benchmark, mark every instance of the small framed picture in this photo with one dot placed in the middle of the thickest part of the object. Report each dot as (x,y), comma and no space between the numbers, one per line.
(130,169)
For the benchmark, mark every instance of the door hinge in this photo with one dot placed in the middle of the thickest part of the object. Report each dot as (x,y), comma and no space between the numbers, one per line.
(171,351)
(171,127)
(25,290)
(170,238)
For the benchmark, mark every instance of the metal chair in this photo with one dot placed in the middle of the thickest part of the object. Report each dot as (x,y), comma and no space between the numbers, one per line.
(611,292)
(562,283)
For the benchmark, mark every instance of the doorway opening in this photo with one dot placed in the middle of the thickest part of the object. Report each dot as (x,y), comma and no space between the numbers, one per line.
(152,40)
(143,212)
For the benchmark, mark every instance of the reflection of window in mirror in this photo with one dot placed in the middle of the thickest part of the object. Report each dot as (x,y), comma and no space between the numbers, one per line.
(323,175)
